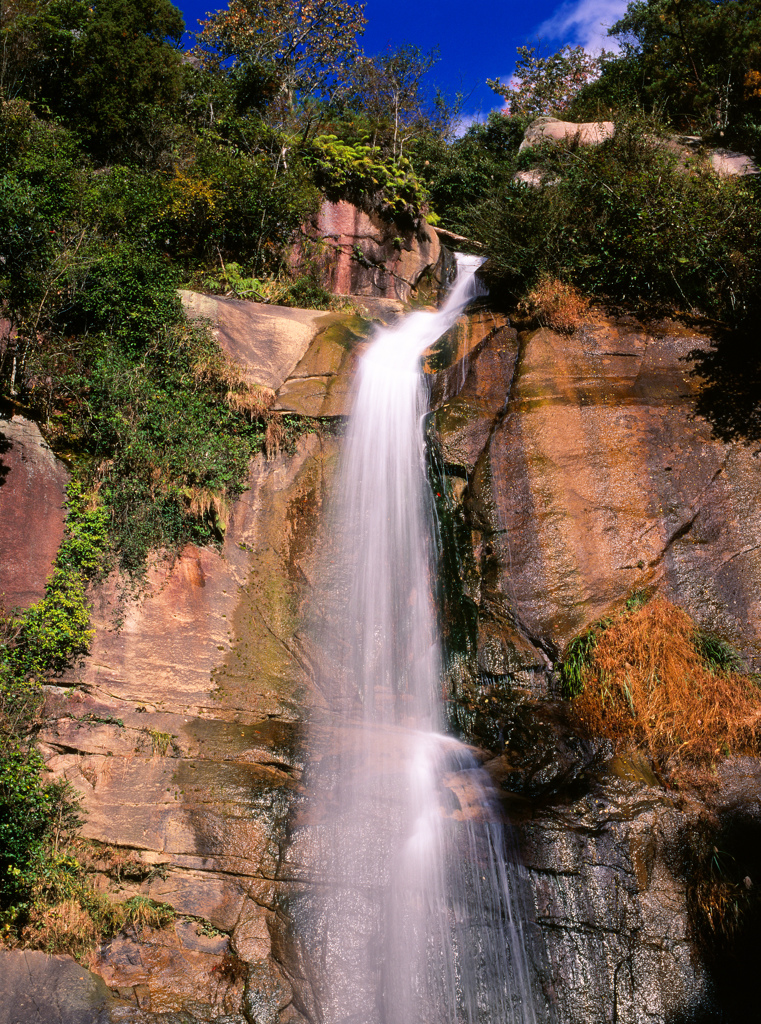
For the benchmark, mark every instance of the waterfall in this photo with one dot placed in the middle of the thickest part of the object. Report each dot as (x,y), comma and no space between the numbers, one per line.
(412,912)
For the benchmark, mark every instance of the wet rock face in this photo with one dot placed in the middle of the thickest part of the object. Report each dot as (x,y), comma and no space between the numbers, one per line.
(610,933)
(581,472)
(597,479)
(32,496)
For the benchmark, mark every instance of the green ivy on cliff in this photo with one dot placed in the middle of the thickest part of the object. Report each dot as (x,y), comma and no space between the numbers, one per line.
(36,645)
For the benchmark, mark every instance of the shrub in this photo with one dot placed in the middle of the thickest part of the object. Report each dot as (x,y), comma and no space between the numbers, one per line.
(556,304)
(143,912)
(34,644)
(627,220)
(54,631)
(643,678)
(167,435)
(360,172)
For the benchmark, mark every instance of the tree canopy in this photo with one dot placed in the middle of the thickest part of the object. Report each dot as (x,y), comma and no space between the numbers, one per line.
(278,48)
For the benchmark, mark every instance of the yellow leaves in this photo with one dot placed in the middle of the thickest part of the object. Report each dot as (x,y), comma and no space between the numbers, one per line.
(752,84)
(189,194)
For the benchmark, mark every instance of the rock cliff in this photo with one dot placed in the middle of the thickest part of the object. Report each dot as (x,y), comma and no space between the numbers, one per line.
(580,472)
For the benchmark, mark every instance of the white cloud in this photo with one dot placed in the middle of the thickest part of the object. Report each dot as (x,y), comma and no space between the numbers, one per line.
(463,121)
(584,23)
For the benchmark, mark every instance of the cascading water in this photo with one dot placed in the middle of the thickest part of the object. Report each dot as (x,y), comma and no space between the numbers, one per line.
(413,909)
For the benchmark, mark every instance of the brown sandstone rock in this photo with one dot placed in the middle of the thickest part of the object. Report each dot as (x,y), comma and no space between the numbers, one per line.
(598,479)
(267,340)
(306,356)
(39,989)
(320,384)
(366,255)
(182,738)
(169,970)
(32,496)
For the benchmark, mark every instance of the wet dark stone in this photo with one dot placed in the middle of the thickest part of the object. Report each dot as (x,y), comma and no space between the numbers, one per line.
(39,989)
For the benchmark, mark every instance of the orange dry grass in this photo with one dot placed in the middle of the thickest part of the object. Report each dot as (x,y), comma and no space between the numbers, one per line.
(557,305)
(646,685)
(61,927)
(244,395)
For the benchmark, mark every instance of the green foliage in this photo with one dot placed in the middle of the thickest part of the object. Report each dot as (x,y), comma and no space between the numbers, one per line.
(51,633)
(143,912)
(359,172)
(280,48)
(549,84)
(389,92)
(625,220)
(166,437)
(717,654)
(25,807)
(460,177)
(129,294)
(577,657)
(246,206)
(696,61)
(34,644)
(106,68)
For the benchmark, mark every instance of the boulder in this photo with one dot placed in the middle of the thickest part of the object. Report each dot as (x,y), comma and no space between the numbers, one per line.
(363,254)
(552,129)
(32,497)
(307,357)
(267,340)
(729,164)
(535,178)
(726,163)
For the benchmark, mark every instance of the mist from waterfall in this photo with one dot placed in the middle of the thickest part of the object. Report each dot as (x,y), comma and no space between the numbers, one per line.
(413,909)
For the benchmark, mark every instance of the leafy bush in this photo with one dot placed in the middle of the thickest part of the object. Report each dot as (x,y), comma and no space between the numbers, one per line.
(55,630)
(627,220)
(34,644)
(461,176)
(168,436)
(360,172)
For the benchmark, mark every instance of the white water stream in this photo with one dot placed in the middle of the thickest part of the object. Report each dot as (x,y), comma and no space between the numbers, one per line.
(413,913)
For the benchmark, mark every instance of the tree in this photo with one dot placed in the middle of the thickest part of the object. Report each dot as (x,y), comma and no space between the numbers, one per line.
(108,68)
(698,61)
(548,85)
(281,48)
(390,90)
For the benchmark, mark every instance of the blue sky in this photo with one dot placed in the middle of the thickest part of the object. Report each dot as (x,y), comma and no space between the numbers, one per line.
(477,38)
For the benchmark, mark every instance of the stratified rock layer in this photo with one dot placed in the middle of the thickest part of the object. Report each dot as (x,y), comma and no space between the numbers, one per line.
(364,254)
(182,739)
